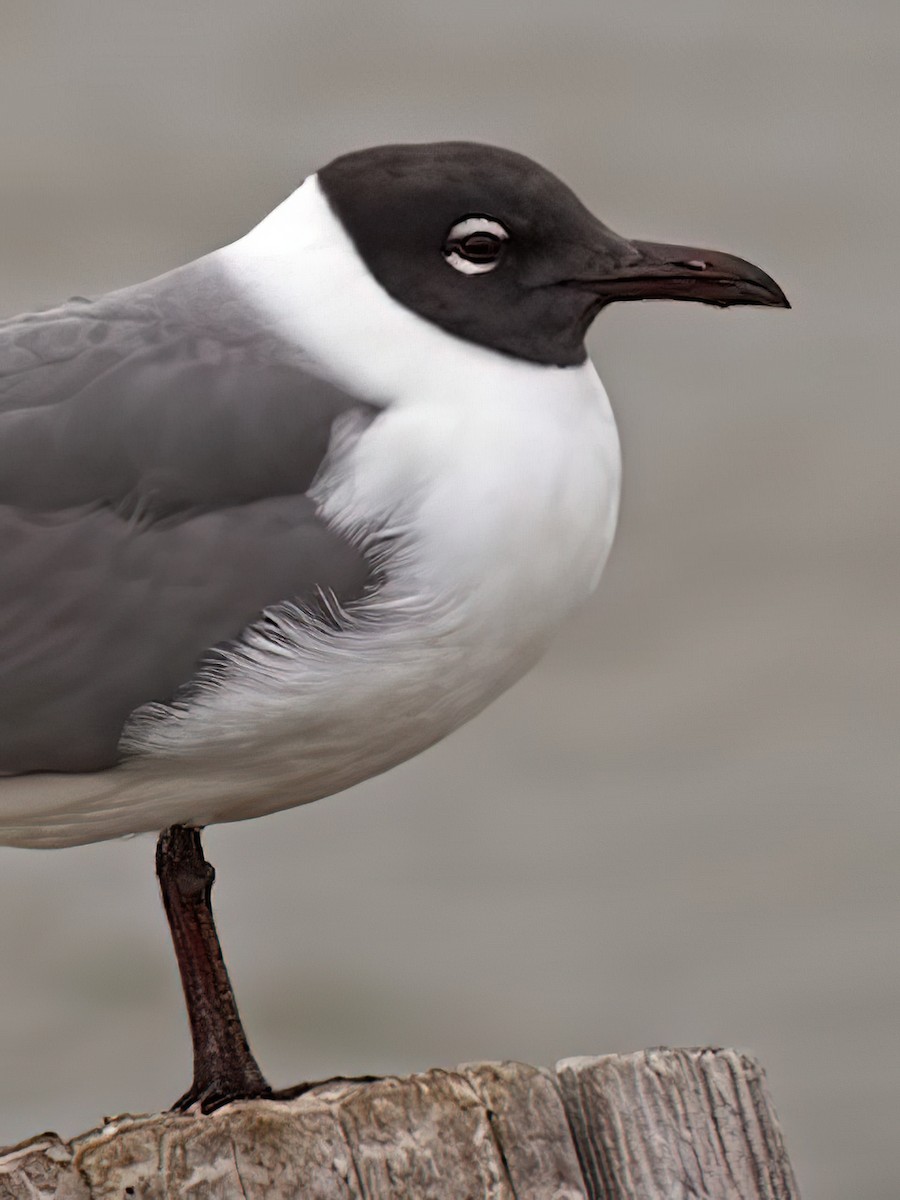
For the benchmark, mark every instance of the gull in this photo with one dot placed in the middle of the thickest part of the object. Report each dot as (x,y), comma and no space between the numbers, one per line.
(286,516)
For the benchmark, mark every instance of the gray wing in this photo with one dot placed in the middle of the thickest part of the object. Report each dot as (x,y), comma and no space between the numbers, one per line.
(155,450)
(171,392)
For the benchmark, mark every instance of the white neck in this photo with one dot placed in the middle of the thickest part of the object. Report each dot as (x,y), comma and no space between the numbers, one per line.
(300,268)
(476,432)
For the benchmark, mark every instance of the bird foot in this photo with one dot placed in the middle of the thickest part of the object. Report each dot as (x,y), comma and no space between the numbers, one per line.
(219,1092)
(224,1067)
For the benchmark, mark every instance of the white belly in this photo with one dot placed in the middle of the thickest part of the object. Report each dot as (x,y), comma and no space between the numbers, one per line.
(503,498)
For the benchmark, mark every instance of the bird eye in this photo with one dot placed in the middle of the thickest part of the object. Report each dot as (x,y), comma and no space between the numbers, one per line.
(475,245)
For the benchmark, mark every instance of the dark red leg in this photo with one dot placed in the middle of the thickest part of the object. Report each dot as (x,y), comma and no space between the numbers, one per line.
(224,1067)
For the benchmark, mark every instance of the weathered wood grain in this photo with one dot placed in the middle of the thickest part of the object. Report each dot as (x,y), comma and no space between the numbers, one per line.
(41,1169)
(661,1125)
(531,1128)
(416,1136)
(257,1149)
(676,1125)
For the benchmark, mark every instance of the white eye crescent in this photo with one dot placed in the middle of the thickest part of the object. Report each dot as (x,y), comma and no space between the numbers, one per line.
(475,245)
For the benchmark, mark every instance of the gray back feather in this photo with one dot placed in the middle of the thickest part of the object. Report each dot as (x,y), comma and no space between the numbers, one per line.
(156,446)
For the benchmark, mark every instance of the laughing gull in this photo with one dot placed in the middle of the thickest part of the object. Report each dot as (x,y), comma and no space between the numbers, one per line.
(282,518)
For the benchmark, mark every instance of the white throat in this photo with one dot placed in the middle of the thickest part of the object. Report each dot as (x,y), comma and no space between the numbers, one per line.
(486,457)
(301,270)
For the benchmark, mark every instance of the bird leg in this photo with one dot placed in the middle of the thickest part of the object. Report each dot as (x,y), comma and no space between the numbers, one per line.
(224,1066)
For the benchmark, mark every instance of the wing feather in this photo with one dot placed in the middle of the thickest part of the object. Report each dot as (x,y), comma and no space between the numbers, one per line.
(156,447)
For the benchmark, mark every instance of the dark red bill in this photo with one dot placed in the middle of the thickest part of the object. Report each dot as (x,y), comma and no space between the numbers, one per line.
(656,271)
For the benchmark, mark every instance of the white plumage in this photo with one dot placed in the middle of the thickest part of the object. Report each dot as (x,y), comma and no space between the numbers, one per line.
(490,487)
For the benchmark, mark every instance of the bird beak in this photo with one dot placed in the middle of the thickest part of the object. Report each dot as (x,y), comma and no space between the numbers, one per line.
(655,271)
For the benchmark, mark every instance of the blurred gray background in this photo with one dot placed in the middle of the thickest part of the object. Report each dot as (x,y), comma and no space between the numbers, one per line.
(683,827)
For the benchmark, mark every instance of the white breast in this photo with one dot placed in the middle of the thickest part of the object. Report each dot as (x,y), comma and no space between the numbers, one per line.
(497,483)
(501,508)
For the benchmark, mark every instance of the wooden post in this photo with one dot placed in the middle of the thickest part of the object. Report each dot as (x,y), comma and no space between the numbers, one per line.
(676,1124)
(658,1125)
